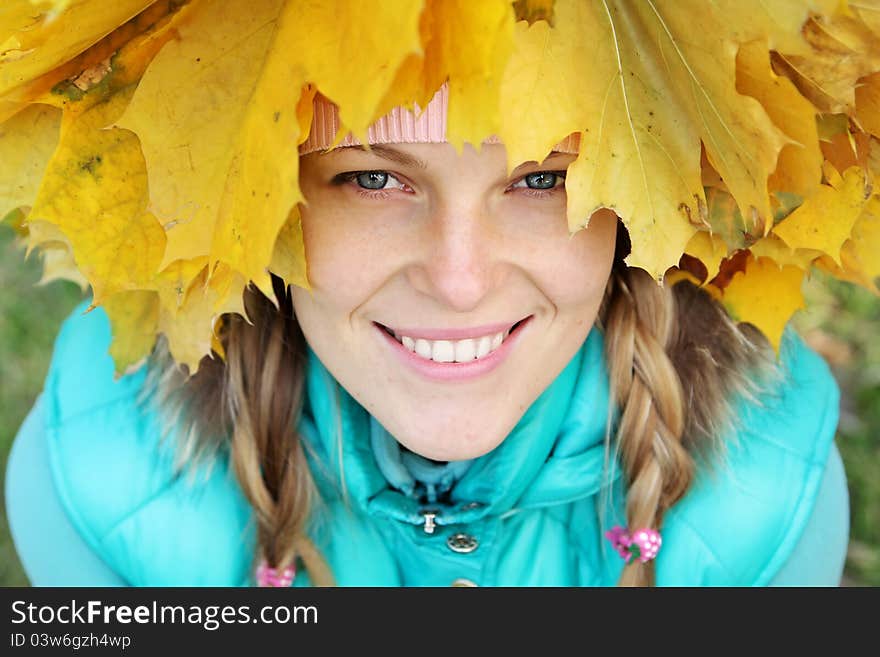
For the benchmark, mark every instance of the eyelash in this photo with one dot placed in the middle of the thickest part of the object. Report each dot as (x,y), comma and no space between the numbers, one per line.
(350,177)
(541,193)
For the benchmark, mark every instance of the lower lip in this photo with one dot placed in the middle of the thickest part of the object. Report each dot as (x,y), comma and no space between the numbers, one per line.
(455,371)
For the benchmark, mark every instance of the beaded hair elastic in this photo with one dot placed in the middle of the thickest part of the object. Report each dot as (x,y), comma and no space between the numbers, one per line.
(643,544)
(267,576)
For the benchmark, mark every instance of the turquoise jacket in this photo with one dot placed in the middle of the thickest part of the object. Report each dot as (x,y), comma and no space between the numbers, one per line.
(531,512)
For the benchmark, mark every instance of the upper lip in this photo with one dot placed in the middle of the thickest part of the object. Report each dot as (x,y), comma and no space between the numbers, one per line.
(454,333)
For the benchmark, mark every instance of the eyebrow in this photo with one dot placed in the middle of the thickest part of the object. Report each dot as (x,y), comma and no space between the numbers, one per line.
(407,160)
(404,159)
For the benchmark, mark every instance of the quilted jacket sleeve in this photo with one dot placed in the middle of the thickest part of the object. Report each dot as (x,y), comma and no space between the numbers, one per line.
(114,481)
(51,550)
(746,518)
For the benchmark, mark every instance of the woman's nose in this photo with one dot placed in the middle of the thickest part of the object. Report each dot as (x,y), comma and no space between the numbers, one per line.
(457,262)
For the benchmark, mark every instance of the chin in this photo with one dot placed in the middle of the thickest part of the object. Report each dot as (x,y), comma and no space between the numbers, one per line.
(459,429)
(469,443)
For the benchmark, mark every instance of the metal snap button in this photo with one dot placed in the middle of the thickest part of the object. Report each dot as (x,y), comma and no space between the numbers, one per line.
(462,582)
(462,543)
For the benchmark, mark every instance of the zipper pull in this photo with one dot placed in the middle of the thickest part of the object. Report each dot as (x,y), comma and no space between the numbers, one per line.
(429,515)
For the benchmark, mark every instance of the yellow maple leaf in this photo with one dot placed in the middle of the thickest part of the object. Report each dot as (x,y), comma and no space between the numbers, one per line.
(534,10)
(109,65)
(27,142)
(35,40)
(765,295)
(190,332)
(774,248)
(799,166)
(58,264)
(263,179)
(56,256)
(709,249)
(188,111)
(95,192)
(868,103)
(843,49)
(228,155)
(536,89)
(846,149)
(859,260)
(173,281)
(474,74)
(227,286)
(411,86)
(134,322)
(863,249)
(289,255)
(219,111)
(41,234)
(725,220)
(650,95)
(868,11)
(825,220)
(189,316)
(465,43)
(334,41)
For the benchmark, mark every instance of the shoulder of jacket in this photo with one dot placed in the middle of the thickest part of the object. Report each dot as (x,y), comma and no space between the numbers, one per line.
(742,519)
(81,373)
(116,478)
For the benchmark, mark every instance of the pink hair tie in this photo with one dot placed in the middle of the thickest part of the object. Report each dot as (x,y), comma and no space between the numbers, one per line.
(643,544)
(267,576)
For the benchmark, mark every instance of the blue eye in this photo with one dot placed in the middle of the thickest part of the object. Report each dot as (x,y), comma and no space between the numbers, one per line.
(372,179)
(541,180)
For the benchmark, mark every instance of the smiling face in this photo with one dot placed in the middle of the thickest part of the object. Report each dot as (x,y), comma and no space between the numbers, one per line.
(446,294)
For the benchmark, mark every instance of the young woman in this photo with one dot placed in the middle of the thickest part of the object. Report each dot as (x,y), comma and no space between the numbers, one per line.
(468,394)
(436,408)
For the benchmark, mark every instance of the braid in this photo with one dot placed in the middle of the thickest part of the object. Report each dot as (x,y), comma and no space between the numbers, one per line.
(640,325)
(676,361)
(246,405)
(265,396)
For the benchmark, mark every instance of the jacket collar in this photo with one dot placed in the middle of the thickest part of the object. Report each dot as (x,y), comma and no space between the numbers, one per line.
(555,454)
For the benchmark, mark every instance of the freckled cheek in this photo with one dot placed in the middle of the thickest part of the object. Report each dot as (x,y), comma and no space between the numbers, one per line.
(569,269)
(348,259)
(576,288)
(575,275)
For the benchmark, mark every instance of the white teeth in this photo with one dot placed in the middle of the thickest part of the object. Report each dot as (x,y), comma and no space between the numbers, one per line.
(423,348)
(464,350)
(497,339)
(447,351)
(442,351)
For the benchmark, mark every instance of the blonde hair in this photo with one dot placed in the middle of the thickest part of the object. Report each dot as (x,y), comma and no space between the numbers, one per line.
(675,359)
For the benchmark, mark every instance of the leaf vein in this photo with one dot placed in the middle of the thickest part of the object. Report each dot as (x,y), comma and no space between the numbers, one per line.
(629,120)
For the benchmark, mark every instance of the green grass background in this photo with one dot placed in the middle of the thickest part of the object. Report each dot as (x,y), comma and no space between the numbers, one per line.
(842,323)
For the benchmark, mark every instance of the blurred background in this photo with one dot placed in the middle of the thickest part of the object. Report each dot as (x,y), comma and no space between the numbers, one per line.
(842,323)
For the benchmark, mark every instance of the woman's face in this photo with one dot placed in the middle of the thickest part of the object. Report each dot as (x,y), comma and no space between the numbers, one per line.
(421,261)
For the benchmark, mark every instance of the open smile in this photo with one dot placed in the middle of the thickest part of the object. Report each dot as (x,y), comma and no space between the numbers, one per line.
(454,359)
